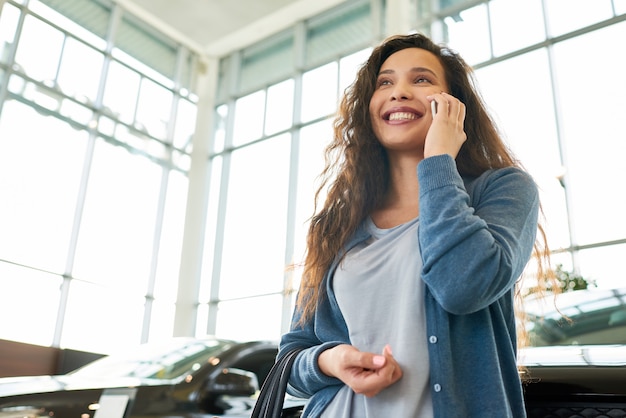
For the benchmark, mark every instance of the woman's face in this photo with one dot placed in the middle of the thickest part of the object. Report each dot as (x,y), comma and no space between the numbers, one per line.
(399,108)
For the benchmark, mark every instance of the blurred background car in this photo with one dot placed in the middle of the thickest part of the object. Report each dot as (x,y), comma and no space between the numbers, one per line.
(575,365)
(589,316)
(184,377)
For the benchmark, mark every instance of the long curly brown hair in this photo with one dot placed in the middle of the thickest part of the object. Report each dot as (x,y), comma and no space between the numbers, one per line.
(356,175)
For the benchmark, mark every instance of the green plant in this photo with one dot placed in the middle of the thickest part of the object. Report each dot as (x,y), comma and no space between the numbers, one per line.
(566,281)
(570,281)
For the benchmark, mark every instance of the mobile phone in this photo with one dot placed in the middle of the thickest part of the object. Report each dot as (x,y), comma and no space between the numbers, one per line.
(433,107)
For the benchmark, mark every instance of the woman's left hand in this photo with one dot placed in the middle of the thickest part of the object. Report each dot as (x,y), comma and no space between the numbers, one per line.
(446,134)
(365,373)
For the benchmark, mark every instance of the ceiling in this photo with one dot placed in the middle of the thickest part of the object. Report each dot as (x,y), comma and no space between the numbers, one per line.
(217,27)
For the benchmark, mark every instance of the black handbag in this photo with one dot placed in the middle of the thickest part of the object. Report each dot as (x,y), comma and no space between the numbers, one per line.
(272,395)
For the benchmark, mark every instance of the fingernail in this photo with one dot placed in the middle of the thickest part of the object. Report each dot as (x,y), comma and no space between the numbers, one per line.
(379,360)
(388,348)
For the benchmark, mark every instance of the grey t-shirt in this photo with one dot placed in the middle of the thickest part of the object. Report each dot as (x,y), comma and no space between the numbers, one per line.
(380,293)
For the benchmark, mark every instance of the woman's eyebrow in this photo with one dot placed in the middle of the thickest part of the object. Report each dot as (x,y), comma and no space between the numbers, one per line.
(412,70)
(423,70)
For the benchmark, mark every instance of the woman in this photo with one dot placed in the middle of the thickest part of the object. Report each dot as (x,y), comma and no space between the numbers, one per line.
(406,307)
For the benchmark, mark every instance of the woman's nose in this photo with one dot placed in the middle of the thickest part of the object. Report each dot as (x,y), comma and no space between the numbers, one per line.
(401,91)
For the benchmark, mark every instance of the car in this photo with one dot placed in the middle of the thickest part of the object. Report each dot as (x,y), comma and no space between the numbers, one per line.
(575,381)
(180,378)
(591,316)
(575,364)
(575,367)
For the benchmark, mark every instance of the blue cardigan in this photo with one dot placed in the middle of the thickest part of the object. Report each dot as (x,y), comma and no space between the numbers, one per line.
(476,236)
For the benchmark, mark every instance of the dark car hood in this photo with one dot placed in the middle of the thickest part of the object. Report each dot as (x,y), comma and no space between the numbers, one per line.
(11,386)
(595,374)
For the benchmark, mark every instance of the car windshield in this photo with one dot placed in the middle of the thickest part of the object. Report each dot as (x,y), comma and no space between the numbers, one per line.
(590,316)
(168,360)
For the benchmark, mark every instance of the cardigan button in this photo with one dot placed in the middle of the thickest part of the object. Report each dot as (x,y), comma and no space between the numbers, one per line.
(432,339)
(437,387)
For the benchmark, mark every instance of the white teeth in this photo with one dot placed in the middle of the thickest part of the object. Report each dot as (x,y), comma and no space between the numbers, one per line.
(402,116)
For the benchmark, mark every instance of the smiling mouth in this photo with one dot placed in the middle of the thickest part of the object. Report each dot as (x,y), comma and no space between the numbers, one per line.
(402,116)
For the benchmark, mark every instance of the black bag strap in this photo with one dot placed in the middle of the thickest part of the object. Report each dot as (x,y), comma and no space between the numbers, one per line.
(272,395)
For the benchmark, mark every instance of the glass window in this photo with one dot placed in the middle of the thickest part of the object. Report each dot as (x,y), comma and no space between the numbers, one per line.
(261,64)
(45,96)
(17,84)
(185,124)
(35,295)
(8,25)
(337,32)
(43,161)
(468,33)
(603,265)
(139,66)
(279,113)
(122,88)
(154,107)
(133,38)
(211,229)
(202,320)
(88,22)
(106,126)
(505,87)
(253,251)
(39,49)
(349,66)
(515,24)
(568,15)
(140,142)
(593,132)
(249,116)
(80,70)
(92,324)
(161,319)
(250,319)
(620,6)
(181,161)
(219,136)
(313,140)
(75,111)
(117,229)
(40,171)
(319,92)
(171,242)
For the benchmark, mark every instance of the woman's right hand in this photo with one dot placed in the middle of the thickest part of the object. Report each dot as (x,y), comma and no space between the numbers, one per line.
(446,134)
(365,373)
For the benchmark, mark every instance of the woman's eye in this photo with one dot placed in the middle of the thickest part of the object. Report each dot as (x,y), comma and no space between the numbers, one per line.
(419,80)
